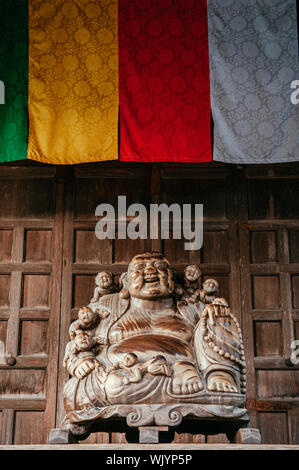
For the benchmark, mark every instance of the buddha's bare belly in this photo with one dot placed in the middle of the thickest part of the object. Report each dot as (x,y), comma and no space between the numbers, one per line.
(146,346)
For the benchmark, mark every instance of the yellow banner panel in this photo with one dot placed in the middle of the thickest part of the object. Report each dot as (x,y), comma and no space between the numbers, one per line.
(73,81)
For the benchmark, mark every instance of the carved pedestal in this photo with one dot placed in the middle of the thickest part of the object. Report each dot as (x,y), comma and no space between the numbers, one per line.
(150,420)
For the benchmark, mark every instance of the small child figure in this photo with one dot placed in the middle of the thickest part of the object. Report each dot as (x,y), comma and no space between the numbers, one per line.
(192,275)
(105,285)
(207,294)
(155,366)
(87,319)
(82,343)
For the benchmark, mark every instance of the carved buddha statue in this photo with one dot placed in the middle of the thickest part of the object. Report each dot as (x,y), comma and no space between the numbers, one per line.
(154,349)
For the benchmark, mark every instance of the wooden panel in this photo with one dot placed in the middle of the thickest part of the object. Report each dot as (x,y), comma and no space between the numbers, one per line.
(266,292)
(175,252)
(215,247)
(273,199)
(268,338)
(294,246)
(4,290)
(89,249)
(29,427)
(195,191)
(83,289)
(89,193)
(295,291)
(296,328)
(294,425)
(277,383)
(31,248)
(263,247)
(22,383)
(274,428)
(38,245)
(286,198)
(29,198)
(5,245)
(124,250)
(36,290)
(3,333)
(33,337)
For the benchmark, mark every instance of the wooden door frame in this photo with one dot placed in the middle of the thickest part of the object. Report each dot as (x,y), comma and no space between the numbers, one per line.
(16,268)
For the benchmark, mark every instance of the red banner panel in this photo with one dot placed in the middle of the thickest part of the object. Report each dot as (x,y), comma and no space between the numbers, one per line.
(164,81)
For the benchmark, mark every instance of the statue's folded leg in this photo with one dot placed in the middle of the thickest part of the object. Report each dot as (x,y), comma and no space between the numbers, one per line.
(84,393)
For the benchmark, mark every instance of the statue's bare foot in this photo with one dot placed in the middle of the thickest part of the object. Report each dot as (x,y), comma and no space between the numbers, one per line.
(185,379)
(221,382)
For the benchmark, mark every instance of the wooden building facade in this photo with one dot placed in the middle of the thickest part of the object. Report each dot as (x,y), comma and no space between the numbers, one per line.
(49,256)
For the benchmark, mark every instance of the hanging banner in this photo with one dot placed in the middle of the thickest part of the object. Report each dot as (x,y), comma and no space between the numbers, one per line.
(164,81)
(73,81)
(253,64)
(13,80)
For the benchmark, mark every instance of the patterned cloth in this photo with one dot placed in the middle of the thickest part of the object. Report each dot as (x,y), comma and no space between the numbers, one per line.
(73,81)
(253,60)
(164,81)
(14,77)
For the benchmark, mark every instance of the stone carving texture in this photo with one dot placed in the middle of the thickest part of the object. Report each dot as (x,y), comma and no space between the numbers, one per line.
(155,351)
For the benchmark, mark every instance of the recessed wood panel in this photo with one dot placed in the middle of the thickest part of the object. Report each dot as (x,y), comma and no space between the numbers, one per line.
(22,382)
(273,427)
(211,193)
(266,292)
(277,383)
(3,333)
(29,427)
(89,193)
(259,204)
(294,246)
(4,290)
(294,425)
(295,290)
(124,250)
(33,337)
(286,198)
(89,249)
(215,247)
(296,328)
(31,198)
(38,245)
(268,338)
(273,199)
(36,290)
(175,252)
(83,289)
(263,247)
(5,245)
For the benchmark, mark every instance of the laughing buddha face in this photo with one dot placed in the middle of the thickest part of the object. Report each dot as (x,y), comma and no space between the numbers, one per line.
(150,277)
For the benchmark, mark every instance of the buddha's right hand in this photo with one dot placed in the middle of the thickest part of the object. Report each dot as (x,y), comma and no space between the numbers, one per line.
(84,368)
